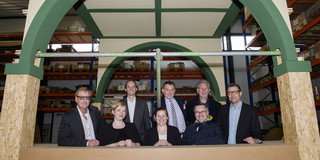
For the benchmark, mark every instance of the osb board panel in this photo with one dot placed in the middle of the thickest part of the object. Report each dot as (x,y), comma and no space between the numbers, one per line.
(18,114)
(265,151)
(298,113)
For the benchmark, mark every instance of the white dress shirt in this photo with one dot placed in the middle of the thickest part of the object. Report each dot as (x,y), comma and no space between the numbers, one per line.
(131,108)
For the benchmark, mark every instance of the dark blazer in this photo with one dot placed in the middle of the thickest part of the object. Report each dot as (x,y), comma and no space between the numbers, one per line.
(152,136)
(108,135)
(213,107)
(248,125)
(208,133)
(141,116)
(71,131)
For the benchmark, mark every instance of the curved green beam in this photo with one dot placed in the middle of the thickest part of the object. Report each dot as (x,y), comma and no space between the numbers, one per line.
(278,36)
(163,46)
(38,36)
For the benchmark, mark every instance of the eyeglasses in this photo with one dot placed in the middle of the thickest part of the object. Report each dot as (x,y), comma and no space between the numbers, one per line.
(201,112)
(84,97)
(233,92)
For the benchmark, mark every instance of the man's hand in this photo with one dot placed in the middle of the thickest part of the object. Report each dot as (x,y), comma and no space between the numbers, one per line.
(93,143)
(251,140)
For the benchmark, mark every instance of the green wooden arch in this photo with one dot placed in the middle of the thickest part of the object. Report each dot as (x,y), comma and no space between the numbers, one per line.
(265,12)
(38,36)
(163,46)
(278,36)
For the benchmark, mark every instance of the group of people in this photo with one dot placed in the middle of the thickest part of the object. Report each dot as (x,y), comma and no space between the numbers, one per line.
(202,121)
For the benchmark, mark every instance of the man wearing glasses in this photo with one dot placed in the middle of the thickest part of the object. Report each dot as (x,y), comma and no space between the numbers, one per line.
(80,125)
(239,121)
(203,132)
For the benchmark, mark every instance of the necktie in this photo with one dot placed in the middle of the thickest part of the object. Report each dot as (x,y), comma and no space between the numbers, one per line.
(174,115)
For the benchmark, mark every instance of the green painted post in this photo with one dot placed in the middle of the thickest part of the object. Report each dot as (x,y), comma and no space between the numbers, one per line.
(158,58)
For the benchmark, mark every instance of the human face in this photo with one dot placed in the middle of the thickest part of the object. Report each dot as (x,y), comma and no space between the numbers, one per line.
(161,118)
(201,113)
(83,100)
(168,91)
(234,95)
(119,113)
(203,90)
(131,88)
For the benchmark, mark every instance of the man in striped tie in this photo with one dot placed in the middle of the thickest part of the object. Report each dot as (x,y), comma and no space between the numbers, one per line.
(175,106)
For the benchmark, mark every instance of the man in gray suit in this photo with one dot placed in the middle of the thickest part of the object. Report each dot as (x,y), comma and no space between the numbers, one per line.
(137,109)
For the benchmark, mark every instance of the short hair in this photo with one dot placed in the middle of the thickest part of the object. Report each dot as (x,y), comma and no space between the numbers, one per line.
(118,104)
(130,81)
(203,81)
(83,89)
(200,104)
(161,109)
(234,85)
(169,83)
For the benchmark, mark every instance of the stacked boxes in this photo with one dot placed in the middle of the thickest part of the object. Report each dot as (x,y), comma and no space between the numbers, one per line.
(61,67)
(299,22)
(141,66)
(179,66)
(81,68)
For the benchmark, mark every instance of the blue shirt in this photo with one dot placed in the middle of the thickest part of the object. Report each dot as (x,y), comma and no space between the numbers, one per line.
(234,115)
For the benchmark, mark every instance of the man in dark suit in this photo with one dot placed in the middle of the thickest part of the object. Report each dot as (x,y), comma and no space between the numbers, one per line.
(174,105)
(138,112)
(203,89)
(239,121)
(80,125)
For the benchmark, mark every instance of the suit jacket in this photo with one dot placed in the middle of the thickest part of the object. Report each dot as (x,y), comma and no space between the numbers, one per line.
(108,135)
(141,116)
(213,107)
(207,133)
(152,136)
(248,125)
(71,132)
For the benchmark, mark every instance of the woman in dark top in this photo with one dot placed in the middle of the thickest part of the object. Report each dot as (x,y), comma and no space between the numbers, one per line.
(162,134)
(119,133)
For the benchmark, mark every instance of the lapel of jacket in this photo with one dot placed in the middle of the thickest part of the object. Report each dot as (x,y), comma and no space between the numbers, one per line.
(227,118)
(93,119)
(79,121)
(241,118)
(127,118)
(136,110)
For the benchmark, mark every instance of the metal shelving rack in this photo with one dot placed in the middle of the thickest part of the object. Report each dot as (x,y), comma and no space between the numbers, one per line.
(260,40)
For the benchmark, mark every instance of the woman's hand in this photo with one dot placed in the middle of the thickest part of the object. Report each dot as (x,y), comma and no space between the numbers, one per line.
(162,143)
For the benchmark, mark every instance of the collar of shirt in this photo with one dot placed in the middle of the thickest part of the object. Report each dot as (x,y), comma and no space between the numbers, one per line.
(133,101)
(80,113)
(238,107)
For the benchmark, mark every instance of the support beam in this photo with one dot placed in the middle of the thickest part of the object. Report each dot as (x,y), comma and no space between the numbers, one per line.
(298,113)
(18,114)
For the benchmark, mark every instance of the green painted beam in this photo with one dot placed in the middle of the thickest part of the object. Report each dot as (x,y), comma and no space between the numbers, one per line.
(38,36)
(227,20)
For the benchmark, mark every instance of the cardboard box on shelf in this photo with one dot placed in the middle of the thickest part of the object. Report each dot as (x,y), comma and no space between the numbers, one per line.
(141,66)
(179,66)
(61,67)
(81,68)
(299,22)
(47,68)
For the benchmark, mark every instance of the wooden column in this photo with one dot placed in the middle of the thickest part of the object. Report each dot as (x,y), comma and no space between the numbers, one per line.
(299,114)
(18,114)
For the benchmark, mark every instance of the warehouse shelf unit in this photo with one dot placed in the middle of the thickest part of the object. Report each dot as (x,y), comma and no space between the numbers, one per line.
(302,36)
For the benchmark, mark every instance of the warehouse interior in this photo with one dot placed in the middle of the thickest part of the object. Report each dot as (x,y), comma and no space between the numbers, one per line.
(172,26)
